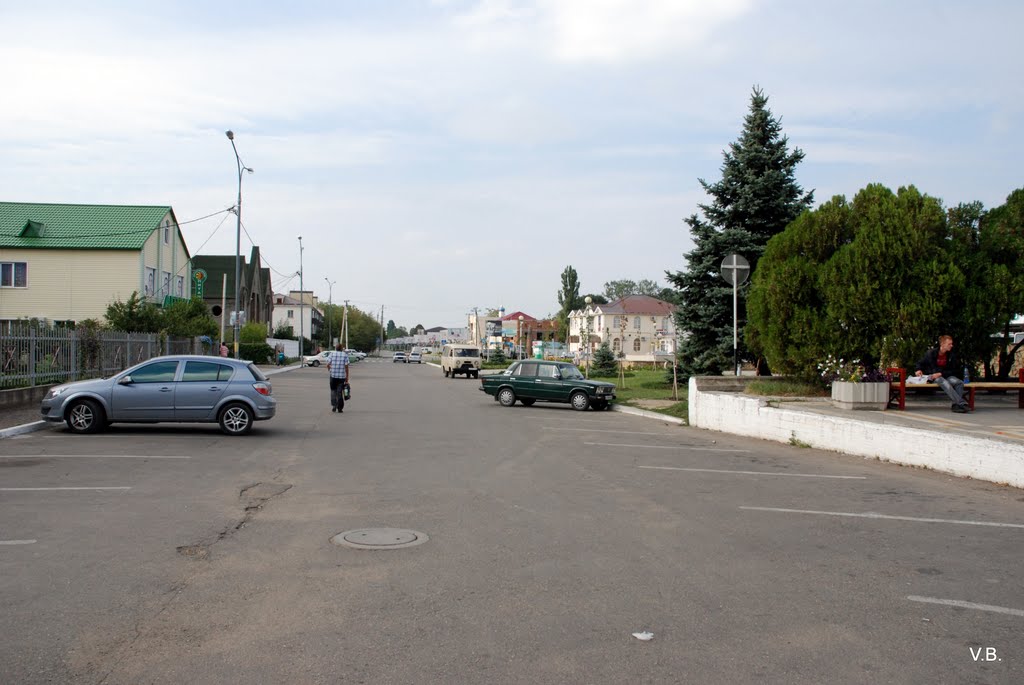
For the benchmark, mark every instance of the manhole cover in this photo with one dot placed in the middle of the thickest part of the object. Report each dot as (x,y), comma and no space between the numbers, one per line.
(379,538)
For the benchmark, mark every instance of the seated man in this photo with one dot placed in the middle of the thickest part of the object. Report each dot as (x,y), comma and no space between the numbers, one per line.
(938,365)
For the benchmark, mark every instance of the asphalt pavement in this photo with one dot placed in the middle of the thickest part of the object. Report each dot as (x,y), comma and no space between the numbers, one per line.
(515,545)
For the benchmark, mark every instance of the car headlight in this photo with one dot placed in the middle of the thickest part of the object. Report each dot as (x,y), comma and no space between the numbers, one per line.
(56,392)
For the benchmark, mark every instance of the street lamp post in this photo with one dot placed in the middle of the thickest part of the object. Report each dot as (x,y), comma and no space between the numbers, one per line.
(330,300)
(238,239)
(302,307)
(519,337)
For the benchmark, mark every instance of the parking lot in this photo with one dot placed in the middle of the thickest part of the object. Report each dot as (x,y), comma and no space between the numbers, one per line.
(173,553)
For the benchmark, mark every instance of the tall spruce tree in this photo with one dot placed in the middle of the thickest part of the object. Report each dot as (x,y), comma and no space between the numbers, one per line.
(757,198)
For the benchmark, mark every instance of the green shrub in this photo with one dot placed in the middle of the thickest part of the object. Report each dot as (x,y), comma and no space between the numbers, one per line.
(261,353)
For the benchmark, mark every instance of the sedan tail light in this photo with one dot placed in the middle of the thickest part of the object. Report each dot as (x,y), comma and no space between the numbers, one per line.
(262,388)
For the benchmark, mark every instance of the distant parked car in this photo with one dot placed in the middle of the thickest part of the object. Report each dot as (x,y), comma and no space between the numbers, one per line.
(547,381)
(399,357)
(180,388)
(414,357)
(316,359)
(355,355)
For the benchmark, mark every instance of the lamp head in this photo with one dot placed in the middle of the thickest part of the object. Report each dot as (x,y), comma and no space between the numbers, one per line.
(588,299)
(230,135)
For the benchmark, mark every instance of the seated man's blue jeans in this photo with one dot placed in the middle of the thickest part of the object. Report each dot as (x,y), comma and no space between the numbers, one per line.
(954,387)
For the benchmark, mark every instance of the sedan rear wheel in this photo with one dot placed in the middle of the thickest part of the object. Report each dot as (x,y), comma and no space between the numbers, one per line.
(579,400)
(85,416)
(506,397)
(236,419)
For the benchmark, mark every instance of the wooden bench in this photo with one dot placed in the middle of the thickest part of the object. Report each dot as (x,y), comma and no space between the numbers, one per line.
(898,388)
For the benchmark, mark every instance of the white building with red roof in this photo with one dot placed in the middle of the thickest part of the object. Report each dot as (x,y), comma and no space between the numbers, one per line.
(641,326)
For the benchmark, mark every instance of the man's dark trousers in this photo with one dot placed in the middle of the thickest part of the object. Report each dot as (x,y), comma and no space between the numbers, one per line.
(338,393)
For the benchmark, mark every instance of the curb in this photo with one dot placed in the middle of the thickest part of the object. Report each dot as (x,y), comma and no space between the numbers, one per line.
(647,414)
(22,429)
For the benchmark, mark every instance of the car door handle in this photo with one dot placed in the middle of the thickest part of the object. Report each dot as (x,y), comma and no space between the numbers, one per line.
(214,389)
(165,389)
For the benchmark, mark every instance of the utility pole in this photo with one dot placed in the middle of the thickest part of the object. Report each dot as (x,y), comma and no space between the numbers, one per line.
(330,304)
(302,313)
(383,333)
(345,323)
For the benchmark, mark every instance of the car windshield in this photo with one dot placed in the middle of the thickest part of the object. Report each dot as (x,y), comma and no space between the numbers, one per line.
(570,372)
(459,352)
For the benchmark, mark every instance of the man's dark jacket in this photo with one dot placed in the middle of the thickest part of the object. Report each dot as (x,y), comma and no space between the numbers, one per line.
(929,364)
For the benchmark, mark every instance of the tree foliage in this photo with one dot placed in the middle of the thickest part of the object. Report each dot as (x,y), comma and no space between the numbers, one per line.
(615,290)
(880,278)
(756,198)
(136,315)
(569,299)
(604,363)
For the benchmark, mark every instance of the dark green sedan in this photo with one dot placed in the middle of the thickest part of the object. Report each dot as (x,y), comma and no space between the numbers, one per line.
(531,380)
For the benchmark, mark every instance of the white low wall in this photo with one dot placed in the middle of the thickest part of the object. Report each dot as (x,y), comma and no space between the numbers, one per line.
(974,457)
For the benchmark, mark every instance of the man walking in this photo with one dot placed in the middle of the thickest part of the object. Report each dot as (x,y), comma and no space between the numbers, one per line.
(938,365)
(337,366)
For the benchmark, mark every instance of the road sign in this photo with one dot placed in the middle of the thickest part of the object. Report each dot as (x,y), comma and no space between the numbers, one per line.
(735,269)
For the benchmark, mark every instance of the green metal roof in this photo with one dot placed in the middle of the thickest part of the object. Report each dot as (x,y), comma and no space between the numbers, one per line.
(78,227)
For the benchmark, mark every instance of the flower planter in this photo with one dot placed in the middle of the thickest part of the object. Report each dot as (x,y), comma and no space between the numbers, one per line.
(846,395)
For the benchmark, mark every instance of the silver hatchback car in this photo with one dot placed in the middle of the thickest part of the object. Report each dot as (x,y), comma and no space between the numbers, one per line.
(182,388)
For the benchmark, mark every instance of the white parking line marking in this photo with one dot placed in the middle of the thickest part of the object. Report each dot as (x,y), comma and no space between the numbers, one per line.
(91,456)
(966,605)
(17,542)
(752,473)
(666,447)
(597,430)
(112,487)
(873,515)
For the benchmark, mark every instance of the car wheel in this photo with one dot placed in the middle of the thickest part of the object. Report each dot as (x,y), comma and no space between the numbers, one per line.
(528,402)
(316,362)
(506,397)
(476,374)
(600,405)
(236,419)
(85,416)
(445,372)
(579,400)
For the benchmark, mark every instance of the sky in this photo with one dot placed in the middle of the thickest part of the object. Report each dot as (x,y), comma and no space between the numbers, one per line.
(440,155)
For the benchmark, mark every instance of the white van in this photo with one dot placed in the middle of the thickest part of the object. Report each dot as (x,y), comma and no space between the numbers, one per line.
(456,358)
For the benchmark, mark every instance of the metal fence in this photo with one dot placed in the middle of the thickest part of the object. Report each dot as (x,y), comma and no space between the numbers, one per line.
(32,355)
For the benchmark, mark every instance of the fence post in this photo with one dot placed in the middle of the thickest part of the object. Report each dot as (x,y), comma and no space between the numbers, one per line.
(73,336)
(32,357)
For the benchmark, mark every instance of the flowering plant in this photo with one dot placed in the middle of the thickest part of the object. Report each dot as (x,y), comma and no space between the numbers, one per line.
(832,370)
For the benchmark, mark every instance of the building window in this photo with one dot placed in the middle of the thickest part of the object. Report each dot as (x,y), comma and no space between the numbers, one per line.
(636,345)
(166,283)
(636,323)
(291,313)
(179,286)
(615,322)
(167,233)
(615,345)
(13,274)
(150,282)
